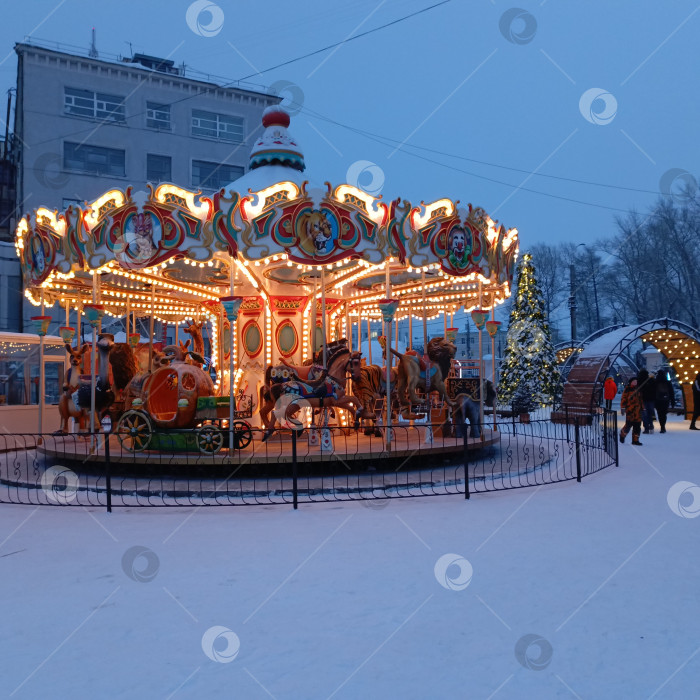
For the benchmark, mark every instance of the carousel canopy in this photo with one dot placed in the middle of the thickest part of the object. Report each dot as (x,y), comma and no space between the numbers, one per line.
(173,253)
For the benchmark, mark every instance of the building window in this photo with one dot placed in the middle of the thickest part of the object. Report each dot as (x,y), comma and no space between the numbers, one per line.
(94,105)
(213,176)
(158,168)
(217,126)
(157,116)
(94,159)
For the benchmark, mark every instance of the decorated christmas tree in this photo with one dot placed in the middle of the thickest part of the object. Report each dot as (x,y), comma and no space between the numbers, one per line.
(529,367)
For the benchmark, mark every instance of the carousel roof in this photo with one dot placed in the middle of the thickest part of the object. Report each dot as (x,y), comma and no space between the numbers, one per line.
(175,252)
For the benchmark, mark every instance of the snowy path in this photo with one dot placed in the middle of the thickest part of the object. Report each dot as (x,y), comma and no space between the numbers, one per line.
(342,600)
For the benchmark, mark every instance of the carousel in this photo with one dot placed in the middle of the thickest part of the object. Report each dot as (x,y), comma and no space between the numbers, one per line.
(246,312)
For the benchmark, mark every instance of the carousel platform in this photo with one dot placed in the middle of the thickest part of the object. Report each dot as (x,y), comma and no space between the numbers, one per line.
(348,447)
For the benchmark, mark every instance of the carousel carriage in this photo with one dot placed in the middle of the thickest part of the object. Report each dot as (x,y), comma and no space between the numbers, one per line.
(175,407)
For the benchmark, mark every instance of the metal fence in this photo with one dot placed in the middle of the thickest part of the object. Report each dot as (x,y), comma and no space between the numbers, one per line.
(286,469)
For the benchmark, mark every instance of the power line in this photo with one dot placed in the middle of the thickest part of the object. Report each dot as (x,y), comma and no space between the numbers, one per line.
(349,39)
(388,142)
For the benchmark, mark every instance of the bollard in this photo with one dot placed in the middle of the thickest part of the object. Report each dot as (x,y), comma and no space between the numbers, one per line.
(295,471)
(466,462)
(577,437)
(108,473)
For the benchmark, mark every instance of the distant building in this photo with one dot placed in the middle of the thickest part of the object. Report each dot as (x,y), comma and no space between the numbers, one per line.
(84,125)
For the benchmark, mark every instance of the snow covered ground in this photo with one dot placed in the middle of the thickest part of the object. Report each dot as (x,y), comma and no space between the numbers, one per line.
(577,590)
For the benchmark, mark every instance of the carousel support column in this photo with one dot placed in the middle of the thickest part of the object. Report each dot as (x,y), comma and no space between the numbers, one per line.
(369,340)
(348,327)
(42,375)
(410,328)
(323,317)
(151,326)
(388,308)
(444,320)
(492,328)
(128,314)
(387,324)
(425,318)
(67,312)
(94,314)
(481,371)
(231,306)
(79,321)
(41,324)
(94,322)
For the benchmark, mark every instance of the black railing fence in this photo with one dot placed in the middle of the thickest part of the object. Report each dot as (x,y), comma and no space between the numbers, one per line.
(422,460)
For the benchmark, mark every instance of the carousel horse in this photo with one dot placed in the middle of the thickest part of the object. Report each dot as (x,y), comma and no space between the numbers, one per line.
(413,370)
(326,392)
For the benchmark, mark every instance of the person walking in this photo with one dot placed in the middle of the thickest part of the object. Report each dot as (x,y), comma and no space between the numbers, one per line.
(609,392)
(664,398)
(696,402)
(632,407)
(647,387)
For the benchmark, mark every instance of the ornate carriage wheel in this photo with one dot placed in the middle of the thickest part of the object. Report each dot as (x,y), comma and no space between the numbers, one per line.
(209,439)
(242,434)
(135,430)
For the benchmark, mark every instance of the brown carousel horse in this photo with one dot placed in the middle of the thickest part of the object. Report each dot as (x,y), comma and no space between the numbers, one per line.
(328,391)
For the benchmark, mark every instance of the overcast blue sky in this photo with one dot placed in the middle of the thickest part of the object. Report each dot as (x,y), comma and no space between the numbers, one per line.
(464,79)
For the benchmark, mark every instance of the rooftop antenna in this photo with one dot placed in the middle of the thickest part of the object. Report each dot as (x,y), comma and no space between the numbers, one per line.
(93,46)
(131,48)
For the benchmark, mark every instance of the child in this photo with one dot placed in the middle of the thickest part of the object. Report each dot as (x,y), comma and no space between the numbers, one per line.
(632,407)
(609,392)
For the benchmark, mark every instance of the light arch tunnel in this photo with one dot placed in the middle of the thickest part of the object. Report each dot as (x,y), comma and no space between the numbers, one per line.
(589,363)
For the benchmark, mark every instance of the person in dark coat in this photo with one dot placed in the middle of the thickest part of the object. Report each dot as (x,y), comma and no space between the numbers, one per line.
(647,388)
(664,398)
(696,402)
(632,406)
